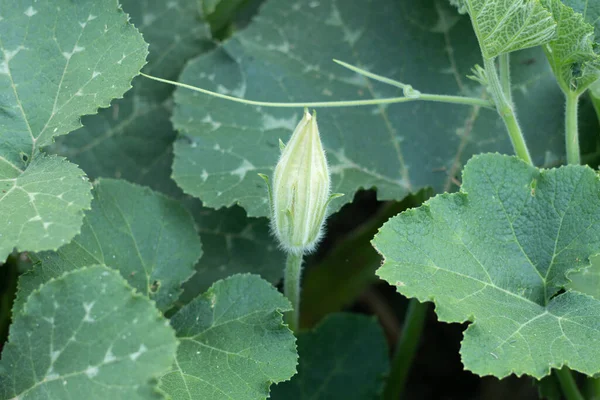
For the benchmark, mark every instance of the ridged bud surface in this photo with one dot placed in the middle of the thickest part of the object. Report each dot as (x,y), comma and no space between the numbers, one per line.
(301,185)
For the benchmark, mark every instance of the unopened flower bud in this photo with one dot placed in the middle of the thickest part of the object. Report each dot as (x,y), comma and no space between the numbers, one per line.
(300,193)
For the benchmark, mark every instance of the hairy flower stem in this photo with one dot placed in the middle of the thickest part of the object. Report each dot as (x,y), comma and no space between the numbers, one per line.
(507,113)
(291,288)
(567,384)
(572,131)
(406,348)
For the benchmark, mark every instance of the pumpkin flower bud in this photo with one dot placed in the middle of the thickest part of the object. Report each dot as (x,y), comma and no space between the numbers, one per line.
(300,192)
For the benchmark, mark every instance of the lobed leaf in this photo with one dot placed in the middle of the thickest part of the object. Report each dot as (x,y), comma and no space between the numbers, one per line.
(571,53)
(233,343)
(149,238)
(497,254)
(504,26)
(86,334)
(345,358)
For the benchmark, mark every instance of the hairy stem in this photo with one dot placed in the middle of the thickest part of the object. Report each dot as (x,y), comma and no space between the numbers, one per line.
(567,384)
(414,321)
(572,131)
(505,76)
(506,111)
(291,288)
(470,101)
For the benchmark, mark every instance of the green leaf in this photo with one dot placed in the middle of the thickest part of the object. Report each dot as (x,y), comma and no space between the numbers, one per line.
(233,343)
(61,60)
(571,53)
(232,243)
(224,145)
(508,25)
(590,9)
(42,207)
(149,238)
(86,332)
(496,254)
(132,139)
(345,357)
(587,280)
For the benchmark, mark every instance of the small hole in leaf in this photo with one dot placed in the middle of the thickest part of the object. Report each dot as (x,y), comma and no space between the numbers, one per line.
(24,157)
(155,286)
(561,291)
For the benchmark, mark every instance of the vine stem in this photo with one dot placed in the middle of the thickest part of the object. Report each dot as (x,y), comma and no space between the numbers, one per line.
(470,101)
(572,130)
(504,66)
(414,321)
(506,111)
(291,288)
(567,384)
(593,388)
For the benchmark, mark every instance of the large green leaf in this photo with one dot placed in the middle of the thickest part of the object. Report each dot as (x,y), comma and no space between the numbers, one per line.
(508,25)
(571,53)
(149,238)
(86,335)
(233,343)
(60,60)
(497,254)
(132,139)
(42,207)
(345,358)
(283,56)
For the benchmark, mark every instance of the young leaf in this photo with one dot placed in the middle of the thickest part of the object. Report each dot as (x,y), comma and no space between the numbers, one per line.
(86,332)
(508,25)
(345,358)
(146,236)
(42,207)
(233,343)
(49,78)
(496,254)
(225,145)
(571,53)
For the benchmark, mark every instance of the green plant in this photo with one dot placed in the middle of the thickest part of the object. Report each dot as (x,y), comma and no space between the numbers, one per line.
(156,280)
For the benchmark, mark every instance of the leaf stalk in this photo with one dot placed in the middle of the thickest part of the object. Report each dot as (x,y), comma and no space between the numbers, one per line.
(506,111)
(572,129)
(567,384)
(406,348)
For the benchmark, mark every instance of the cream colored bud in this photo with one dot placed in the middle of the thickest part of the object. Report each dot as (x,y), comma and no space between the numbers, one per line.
(301,186)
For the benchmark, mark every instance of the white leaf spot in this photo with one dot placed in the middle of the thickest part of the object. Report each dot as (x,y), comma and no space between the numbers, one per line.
(214,124)
(91,371)
(137,354)
(243,169)
(30,12)
(95,74)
